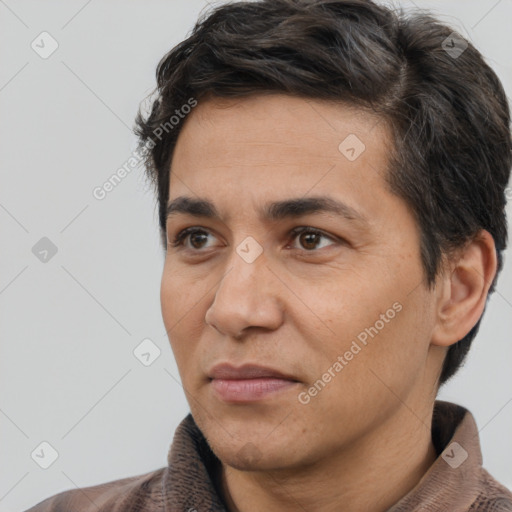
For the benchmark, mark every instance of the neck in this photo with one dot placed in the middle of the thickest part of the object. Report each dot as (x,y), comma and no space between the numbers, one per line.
(371,475)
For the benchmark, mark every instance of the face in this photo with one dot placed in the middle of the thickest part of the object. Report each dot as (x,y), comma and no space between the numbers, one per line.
(340,308)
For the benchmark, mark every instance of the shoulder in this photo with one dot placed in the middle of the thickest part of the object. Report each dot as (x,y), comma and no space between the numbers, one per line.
(493,496)
(113,496)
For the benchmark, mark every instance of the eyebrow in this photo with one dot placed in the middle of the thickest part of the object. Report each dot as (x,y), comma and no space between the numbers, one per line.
(274,211)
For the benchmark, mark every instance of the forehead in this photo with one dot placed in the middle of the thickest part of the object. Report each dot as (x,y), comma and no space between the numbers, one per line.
(279,145)
(277,117)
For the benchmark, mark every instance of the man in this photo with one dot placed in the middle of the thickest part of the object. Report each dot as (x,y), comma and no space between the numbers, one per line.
(331,181)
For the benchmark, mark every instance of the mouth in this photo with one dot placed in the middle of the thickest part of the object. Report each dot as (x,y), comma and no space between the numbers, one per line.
(249,383)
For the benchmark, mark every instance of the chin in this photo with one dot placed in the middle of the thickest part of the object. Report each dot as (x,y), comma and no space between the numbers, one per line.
(253,453)
(250,458)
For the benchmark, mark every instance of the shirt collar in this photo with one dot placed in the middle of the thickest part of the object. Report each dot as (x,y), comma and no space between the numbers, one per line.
(450,484)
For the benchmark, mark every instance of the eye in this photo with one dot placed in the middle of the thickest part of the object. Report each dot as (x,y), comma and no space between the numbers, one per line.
(197,236)
(309,237)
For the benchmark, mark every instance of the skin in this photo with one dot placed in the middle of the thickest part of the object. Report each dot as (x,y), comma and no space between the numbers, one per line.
(364,440)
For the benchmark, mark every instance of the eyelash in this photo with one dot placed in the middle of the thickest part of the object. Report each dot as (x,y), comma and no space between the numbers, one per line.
(180,237)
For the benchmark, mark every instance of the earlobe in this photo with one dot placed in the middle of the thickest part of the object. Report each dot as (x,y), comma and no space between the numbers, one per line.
(463,290)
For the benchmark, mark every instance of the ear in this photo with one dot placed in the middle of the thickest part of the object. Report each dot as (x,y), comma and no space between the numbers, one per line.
(463,290)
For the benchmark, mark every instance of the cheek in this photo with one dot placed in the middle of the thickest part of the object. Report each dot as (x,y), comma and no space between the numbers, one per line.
(183,302)
(168,290)
(341,310)
(179,295)
(394,345)
(176,312)
(367,317)
(365,368)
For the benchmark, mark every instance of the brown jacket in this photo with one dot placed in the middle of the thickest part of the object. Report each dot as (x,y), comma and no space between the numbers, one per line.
(456,482)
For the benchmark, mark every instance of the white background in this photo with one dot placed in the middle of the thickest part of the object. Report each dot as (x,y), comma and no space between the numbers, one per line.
(68,327)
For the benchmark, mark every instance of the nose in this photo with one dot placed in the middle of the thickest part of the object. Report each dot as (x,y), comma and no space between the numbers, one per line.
(247,296)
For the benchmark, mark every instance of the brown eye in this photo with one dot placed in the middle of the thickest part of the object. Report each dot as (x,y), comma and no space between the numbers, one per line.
(309,238)
(196,236)
(197,239)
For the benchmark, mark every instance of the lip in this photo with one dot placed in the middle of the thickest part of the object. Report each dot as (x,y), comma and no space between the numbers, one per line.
(247,371)
(248,383)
